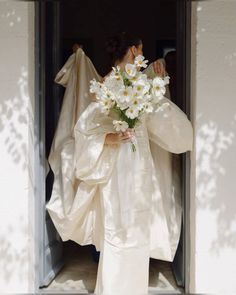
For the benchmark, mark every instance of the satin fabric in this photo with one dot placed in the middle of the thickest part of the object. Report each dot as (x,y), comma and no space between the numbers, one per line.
(125,203)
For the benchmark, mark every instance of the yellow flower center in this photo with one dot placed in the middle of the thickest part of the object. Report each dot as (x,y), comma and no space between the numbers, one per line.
(117,77)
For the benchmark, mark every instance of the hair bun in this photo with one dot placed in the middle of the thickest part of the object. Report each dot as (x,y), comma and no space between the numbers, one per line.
(118,44)
(112,45)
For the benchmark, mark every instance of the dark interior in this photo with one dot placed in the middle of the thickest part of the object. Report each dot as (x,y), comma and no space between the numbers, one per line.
(91,22)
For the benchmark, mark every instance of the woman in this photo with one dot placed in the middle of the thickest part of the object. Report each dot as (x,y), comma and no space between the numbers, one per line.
(123,48)
(118,204)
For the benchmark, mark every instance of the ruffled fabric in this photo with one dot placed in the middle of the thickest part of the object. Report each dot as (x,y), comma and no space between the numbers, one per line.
(169,127)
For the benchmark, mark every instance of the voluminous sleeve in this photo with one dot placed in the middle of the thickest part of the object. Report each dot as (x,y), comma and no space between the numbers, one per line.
(170,128)
(94,159)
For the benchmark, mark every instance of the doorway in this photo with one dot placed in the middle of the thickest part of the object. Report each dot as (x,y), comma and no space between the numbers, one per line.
(60,24)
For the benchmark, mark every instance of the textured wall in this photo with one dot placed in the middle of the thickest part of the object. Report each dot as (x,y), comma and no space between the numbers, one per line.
(213,203)
(16,138)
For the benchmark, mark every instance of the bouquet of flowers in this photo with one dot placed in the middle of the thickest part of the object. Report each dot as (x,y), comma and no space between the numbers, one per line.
(130,93)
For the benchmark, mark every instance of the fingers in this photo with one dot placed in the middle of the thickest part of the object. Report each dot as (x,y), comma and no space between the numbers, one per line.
(130,131)
(155,67)
(127,134)
(116,138)
(125,138)
(159,68)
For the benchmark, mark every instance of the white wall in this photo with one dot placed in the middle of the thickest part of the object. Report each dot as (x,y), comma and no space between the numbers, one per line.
(16,138)
(213,199)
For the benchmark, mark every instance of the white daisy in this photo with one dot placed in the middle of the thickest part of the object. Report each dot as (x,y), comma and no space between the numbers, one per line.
(113,84)
(148,107)
(125,94)
(132,112)
(140,62)
(167,80)
(136,101)
(158,87)
(138,88)
(106,106)
(120,125)
(95,87)
(130,69)
(141,86)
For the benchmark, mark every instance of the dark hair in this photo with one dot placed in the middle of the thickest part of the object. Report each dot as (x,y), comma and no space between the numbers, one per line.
(118,44)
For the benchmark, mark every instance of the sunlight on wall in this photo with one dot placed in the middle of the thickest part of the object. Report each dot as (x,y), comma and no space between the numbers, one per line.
(215,127)
(11,18)
(15,112)
(13,120)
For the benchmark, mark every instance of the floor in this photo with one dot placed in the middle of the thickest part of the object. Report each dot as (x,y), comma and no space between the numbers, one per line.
(80,270)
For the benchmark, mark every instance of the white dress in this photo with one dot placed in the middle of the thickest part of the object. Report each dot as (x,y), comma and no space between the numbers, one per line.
(112,197)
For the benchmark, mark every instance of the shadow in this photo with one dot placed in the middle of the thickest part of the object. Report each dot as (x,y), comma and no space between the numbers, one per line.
(79,272)
(17,146)
(14,118)
(215,139)
(214,146)
(161,278)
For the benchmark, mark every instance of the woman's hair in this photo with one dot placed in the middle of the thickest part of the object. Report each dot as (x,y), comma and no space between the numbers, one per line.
(118,44)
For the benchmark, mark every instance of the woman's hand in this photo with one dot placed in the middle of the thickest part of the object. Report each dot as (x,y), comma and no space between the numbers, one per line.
(120,137)
(159,68)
